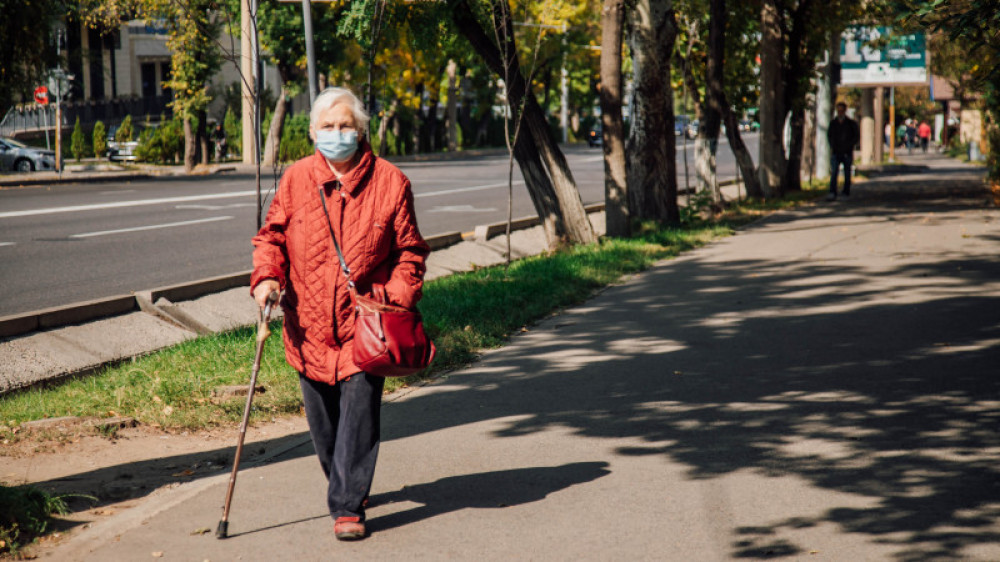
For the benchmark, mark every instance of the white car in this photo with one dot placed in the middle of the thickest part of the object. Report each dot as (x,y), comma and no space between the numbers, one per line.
(122,150)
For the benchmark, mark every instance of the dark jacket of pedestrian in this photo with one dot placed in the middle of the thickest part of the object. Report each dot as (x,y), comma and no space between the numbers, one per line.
(843,135)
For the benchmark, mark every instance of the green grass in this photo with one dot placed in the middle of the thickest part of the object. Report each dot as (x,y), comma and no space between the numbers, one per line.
(464,313)
(25,513)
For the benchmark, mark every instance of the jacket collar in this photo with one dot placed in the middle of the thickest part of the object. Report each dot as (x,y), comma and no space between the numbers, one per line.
(352,182)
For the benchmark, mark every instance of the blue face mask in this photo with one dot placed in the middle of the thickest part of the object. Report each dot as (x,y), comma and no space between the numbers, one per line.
(337,146)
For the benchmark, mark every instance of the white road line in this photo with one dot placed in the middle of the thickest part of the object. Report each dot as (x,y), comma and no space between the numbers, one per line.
(459,190)
(150,227)
(7,243)
(120,204)
(205,197)
(215,207)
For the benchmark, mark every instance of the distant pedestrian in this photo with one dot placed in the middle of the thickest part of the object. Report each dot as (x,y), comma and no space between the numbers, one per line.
(888,135)
(221,144)
(911,135)
(842,135)
(924,132)
(371,213)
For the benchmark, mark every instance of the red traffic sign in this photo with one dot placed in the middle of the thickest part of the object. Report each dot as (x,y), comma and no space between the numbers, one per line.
(42,95)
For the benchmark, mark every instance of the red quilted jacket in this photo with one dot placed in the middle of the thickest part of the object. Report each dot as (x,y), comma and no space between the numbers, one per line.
(371,209)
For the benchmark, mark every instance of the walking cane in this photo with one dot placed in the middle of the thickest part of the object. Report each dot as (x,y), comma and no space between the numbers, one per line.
(262,332)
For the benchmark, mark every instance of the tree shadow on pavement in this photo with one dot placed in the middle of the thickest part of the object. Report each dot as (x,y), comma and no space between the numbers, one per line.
(485,490)
(875,381)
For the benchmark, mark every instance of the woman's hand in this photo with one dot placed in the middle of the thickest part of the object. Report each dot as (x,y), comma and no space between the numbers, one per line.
(263,289)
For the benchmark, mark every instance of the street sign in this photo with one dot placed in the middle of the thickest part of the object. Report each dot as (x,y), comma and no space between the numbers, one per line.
(42,95)
(876,56)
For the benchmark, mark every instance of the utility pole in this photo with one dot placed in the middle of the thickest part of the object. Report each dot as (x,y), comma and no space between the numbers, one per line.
(892,123)
(310,50)
(249,84)
(564,91)
(59,124)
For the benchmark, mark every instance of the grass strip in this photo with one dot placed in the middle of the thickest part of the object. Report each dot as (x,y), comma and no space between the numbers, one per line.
(464,313)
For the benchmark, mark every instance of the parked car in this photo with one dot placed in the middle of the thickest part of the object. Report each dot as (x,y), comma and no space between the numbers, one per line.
(17,156)
(122,150)
(595,137)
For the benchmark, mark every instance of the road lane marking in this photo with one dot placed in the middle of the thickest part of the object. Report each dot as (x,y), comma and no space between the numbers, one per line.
(461,209)
(215,207)
(461,189)
(149,227)
(7,243)
(120,204)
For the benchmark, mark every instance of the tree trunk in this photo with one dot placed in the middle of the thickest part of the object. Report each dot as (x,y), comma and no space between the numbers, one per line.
(383,128)
(772,107)
(705,150)
(569,210)
(431,123)
(615,184)
(202,134)
(793,166)
(452,111)
(743,158)
(272,145)
(418,118)
(808,138)
(190,146)
(652,171)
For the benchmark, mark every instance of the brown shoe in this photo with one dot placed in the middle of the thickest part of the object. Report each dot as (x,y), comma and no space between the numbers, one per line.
(349,529)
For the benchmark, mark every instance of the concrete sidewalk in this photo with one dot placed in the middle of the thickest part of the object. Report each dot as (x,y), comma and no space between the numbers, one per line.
(821,386)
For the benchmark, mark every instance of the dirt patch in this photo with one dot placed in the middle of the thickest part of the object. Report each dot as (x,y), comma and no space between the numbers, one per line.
(104,475)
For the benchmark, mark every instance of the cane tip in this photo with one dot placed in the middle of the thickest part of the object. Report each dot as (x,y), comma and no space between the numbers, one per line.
(222,531)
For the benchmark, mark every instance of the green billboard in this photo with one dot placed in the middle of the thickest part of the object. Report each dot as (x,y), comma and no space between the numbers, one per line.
(881,56)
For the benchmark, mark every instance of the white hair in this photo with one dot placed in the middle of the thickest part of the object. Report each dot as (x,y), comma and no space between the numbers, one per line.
(331,97)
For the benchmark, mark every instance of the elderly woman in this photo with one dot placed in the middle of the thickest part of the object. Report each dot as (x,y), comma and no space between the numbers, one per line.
(371,213)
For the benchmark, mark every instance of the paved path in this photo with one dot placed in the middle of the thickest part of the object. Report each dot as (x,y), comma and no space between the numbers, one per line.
(822,386)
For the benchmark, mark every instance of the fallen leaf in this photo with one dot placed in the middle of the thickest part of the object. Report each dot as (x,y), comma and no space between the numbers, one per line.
(201,531)
(168,410)
(158,554)
(187,472)
(157,399)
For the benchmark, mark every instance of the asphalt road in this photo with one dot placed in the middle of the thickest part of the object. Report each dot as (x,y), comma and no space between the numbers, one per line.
(75,242)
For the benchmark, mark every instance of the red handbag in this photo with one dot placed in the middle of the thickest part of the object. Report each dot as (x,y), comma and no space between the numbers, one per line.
(389,340)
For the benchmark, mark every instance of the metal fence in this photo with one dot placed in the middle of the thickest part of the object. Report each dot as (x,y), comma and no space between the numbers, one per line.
(32,118)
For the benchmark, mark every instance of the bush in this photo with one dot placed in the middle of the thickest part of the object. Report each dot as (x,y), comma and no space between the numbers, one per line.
(77,143)
(164,143)
(234,133)
(100,139)
(124,133)
(295,141)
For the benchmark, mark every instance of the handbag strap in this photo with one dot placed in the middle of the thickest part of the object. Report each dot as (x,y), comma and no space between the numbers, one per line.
(340,254)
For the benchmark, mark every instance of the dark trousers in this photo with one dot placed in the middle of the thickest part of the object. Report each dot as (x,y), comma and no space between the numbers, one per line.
(344,425)
(844,158)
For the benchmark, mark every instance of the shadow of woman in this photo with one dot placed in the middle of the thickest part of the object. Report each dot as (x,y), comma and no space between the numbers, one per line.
(485,490)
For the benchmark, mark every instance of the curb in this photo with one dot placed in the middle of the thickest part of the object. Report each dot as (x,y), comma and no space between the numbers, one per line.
(99,177)
(145,300)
